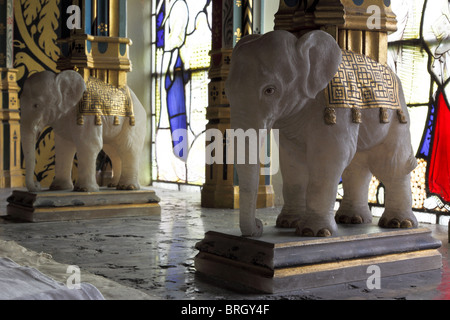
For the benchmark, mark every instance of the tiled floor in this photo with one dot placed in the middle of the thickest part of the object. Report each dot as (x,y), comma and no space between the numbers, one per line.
(156,254)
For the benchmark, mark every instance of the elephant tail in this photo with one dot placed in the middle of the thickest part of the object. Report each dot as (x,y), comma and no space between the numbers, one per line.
(387,162)
(411,163)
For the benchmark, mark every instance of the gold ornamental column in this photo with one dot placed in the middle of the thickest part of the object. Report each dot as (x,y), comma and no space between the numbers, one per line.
(219,189)
(100,48)
(11,173)
(361,26)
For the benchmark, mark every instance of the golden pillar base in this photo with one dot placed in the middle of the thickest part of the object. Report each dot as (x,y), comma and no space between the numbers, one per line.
(265,197)
(222,196)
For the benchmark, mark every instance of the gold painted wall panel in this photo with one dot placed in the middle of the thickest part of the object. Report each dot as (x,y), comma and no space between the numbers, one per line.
(36,25)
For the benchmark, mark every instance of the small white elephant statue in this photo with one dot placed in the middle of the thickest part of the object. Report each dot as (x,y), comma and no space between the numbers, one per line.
(339,115)
(50,99)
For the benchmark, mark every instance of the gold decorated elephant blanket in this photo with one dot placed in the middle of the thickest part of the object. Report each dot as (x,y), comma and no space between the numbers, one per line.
(102,99)
(362,83)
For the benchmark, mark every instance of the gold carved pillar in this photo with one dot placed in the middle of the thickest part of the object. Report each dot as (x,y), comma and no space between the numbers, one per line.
(11,173)
(100,48)
(219,190)
(231,20)
(361,26)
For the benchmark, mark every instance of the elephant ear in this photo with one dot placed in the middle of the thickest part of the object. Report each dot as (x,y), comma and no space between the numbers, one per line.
(71,87)
(247,39)
(320,56)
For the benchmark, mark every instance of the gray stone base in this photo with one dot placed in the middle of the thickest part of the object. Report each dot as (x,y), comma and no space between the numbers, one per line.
(67,205)
(279,261)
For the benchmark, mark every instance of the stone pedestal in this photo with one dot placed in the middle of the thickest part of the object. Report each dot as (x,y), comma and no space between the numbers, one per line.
(67,205)
(279,261)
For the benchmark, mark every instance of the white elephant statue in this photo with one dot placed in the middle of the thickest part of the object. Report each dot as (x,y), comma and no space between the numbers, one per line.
(333,123)
(50,99)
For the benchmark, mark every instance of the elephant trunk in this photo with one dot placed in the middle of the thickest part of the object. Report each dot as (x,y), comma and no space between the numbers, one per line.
(28,136)
(248,192)
(248,168)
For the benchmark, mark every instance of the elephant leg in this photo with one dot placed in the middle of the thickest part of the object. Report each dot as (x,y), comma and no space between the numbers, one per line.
(295,179)
(87,157)
(392,166)
(356,178)
(129,156)
(326,164)
(116,164)
(129,179)
(398,199)
(64,154)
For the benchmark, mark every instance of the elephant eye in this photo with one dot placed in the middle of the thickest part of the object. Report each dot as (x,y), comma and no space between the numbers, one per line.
(36,106)
(269,91)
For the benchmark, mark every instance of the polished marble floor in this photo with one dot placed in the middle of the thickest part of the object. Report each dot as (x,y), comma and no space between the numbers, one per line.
(156,254)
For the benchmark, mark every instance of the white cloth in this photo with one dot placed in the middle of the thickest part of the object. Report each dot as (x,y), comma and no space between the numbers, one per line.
(25,283)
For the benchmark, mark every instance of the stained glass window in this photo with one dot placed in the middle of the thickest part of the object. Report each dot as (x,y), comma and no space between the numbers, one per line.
(418,53)
(181,44)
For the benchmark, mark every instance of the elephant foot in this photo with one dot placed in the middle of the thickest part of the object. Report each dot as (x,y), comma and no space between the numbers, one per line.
(394,221)
(127,187)
(86,189)
(256,232)
(61,185)
(316,227)
(34,187)
(287,220)
(307,232)
(353,216)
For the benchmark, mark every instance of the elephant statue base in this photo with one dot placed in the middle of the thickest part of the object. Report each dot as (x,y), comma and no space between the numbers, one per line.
(108,203)
(279,261)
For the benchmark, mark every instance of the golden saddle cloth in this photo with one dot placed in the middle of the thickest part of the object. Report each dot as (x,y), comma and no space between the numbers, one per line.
(102,99)
(362,83)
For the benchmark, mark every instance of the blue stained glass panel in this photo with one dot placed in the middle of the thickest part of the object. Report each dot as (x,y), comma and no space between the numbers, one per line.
(160,28)
(424,150)
(181,44)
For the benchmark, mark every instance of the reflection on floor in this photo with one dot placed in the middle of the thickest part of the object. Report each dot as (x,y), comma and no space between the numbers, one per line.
(156,254)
